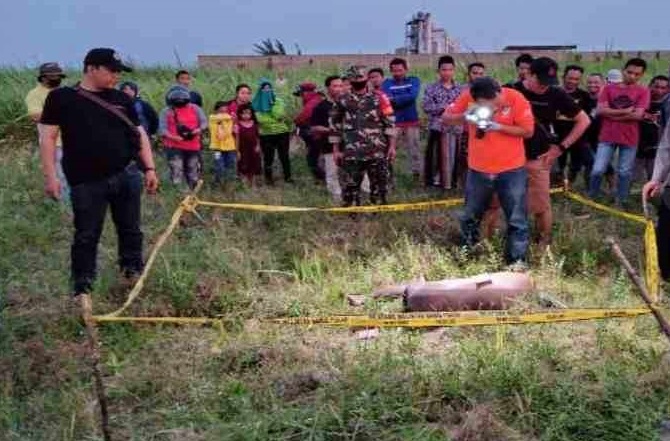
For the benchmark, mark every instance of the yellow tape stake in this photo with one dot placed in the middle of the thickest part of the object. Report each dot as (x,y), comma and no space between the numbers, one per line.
(218,345)
(500,337)
(652,270)
(187,204)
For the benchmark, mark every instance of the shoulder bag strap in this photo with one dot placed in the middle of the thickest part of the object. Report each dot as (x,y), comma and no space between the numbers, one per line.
(109,107)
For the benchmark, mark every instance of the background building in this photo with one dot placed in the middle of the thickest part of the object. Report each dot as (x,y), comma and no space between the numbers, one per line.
(422,36)
(540,48)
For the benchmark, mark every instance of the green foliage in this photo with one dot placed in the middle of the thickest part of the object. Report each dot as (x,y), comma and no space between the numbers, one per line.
(595,381)
(216,85)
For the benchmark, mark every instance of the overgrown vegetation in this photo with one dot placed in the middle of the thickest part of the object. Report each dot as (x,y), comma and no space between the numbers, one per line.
(604,380)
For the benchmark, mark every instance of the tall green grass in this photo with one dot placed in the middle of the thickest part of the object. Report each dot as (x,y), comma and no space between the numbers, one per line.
(220,84)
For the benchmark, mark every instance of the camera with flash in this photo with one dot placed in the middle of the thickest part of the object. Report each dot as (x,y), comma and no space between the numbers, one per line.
(481,116)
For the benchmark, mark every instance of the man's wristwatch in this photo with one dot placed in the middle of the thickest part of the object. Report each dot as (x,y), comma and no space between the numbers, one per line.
(562,147)
(148,169)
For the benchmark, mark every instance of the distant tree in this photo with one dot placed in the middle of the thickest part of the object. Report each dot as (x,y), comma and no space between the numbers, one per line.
(269,47)
(280,47)
(274,47)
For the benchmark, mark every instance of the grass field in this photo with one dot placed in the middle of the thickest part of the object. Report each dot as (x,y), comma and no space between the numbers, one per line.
(605,380)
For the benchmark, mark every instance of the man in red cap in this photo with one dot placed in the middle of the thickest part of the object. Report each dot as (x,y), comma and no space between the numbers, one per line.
(310,99)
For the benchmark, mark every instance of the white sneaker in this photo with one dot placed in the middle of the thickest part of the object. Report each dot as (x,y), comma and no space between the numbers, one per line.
(518,267)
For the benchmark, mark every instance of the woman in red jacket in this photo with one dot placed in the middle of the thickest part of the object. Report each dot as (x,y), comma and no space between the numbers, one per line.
(180,126)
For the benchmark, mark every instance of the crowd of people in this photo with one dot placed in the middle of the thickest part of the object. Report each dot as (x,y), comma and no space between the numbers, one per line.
(503,145)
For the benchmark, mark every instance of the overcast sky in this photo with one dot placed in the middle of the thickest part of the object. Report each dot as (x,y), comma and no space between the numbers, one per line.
(150,32)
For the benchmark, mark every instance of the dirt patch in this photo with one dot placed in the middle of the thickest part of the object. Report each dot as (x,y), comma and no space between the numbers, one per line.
(481,424)
(178,435)
(298,385)
(244,359)
(47,367)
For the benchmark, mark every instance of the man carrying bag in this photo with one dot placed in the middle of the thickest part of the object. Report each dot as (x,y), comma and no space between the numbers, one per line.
(103,146)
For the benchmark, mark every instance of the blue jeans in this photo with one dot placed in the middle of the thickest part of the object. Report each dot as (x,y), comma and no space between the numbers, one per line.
(511,187)
(225,166)
(121,192)
(624,169)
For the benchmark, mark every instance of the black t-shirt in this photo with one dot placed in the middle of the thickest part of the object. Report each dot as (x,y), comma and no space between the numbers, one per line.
(96,143)
(320,117)
(593,131)
(196,98)
(546,109)
(564,125)
(650,131)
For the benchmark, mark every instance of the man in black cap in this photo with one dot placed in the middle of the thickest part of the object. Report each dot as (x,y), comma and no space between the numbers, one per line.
(102,140)
(49,77)
(548,101)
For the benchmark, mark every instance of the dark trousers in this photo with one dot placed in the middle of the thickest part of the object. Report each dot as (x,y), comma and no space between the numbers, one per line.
(581,156)
(663,235)
(511,188)
(90,200)
(279,143)
(313,153)
(351,174)
(433,158)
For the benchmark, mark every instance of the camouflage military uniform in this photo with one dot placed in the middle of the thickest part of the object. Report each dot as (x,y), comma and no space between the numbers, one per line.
(362,124)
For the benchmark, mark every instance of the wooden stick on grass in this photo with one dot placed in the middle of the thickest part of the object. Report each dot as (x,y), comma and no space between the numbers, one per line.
(642,288)
(94,348)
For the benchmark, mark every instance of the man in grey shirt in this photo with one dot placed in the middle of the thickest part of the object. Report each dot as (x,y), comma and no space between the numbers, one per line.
(660,185)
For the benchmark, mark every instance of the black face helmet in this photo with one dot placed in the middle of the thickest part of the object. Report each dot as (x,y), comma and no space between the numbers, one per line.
(178,97)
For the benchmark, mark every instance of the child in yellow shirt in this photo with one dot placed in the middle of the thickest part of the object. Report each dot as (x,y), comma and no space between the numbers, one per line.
(222,142)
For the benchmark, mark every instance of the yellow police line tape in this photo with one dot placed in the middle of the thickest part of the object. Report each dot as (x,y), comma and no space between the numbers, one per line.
(410,320)
(191,202)
(408,206)
(357,209)
(604,208)
(184,206)
(652,270)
